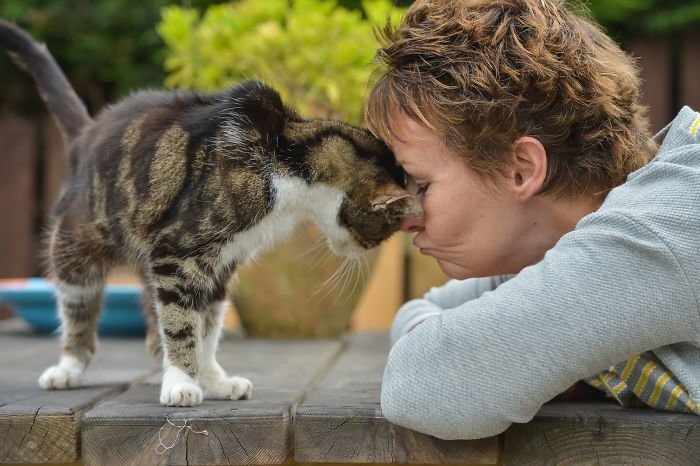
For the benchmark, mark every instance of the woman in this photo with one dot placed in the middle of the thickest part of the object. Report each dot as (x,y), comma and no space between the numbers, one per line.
(572,235)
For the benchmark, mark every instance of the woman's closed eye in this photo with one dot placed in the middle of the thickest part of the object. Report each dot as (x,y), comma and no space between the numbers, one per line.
(415,188)
(422,188)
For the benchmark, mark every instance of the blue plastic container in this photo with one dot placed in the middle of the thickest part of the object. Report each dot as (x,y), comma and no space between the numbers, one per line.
(32,299)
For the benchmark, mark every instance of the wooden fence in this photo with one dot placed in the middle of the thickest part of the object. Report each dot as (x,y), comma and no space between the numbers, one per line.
(32,167)
(32,164)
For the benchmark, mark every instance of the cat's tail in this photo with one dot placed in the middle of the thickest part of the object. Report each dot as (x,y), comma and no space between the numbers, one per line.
(63,103)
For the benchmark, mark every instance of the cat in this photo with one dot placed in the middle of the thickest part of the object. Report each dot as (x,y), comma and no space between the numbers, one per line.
(188,186)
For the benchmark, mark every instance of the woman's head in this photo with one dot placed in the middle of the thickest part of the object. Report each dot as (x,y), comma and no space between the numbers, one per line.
(518,95)
(483,73)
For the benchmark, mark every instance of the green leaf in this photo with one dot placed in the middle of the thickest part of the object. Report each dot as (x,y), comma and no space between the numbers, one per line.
(316,53)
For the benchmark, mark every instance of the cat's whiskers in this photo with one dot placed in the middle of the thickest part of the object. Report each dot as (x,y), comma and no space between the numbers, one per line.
(351,269)
(320,241)
(358,272)
(355,276)
(331,283)
(321,258)
(365,269)
(348,277)
(343,282)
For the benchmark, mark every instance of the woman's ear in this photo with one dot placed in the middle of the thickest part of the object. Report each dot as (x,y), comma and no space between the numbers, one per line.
(528,167)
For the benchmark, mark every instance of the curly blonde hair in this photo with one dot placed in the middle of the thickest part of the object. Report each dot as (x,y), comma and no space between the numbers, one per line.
(482,73)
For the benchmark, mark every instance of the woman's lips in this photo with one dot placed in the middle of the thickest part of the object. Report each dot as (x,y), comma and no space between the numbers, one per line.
(423,250)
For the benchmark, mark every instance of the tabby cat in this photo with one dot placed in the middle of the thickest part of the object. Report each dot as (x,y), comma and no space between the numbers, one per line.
(188,186)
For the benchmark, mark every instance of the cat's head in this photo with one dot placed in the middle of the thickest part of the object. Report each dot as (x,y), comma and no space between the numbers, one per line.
(374,196)
(364,199)
(371,214)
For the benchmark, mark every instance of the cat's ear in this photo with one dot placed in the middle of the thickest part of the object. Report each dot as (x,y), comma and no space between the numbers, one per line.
(400,202)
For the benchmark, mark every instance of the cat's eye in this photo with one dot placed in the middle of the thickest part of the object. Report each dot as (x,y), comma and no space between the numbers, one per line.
(422,188)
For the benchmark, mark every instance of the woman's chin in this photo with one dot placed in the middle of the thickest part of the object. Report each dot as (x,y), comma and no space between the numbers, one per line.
(453,270)
(462,272)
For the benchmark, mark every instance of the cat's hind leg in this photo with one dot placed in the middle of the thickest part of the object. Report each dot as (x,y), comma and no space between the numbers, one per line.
(79,270)
(217,385)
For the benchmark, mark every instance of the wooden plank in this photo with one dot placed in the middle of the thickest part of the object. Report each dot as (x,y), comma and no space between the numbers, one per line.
(38,426)
(603,433)
(126,430)
(17,202)
(341,420)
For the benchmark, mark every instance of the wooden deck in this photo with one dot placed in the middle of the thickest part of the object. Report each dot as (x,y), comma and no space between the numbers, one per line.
(314,401)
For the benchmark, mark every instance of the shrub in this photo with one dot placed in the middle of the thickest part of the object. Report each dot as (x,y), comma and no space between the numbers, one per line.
(107,48)
(316,53)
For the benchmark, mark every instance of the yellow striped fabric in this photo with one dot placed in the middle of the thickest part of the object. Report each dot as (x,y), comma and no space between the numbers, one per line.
(644,380)
(695,125)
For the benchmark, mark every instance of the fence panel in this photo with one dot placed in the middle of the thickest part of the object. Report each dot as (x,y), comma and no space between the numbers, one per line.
(690,71)
(54,165)
(18,207)
(654,60)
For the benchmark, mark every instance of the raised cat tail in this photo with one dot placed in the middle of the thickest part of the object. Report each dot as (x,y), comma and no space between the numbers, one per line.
(63,103)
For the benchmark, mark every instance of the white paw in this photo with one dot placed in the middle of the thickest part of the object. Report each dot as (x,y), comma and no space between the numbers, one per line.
(59,378)
(234,388)
(181,394)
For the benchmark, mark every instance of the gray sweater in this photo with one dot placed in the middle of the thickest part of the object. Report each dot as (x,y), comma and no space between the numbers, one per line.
(477,355)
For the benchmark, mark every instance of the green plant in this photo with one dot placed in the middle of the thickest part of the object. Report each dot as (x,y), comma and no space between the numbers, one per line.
(633,18)
(317,54)
(106,48)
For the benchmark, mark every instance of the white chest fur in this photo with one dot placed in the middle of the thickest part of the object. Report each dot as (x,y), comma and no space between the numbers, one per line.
(295,201)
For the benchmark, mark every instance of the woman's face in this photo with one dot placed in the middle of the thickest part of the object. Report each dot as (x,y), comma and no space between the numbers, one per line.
(471,227)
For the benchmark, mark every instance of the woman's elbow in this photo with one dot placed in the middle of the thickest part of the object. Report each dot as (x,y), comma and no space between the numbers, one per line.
(407,402)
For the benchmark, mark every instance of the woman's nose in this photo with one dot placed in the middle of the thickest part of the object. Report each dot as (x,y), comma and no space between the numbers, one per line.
(411,225)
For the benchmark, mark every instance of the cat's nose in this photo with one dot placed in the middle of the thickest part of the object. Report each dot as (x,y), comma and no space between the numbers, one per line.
(411,225)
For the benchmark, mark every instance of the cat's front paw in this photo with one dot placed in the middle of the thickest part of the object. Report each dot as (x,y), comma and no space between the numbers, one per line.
(59,378)
(181,394)
(234,388)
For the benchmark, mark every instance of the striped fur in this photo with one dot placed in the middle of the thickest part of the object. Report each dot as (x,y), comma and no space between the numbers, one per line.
(187,187)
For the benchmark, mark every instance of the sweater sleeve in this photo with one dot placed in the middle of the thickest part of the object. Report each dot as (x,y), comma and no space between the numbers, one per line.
(595,299)
(452,294)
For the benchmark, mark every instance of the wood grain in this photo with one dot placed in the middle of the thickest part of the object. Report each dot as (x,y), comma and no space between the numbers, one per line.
(690,71)
(126,430)
(320,397)
(54,165)
(17,197)
(599,433)
(654,60)
(341,420)
(38,426)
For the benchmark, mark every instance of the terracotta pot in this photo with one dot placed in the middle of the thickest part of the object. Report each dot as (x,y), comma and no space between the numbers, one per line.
(282,295)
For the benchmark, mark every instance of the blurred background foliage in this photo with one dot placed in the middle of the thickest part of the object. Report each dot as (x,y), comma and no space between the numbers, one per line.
(113,47)
(630,19)
(107,48)
(317,54)
(316,51)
